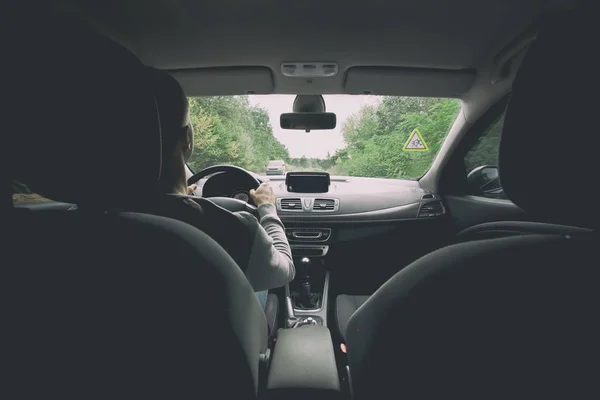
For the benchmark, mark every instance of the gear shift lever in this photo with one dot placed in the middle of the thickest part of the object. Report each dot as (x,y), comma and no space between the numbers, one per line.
(304,297)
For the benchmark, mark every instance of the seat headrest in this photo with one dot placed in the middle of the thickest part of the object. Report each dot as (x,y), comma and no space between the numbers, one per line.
(88,128)
(548,157)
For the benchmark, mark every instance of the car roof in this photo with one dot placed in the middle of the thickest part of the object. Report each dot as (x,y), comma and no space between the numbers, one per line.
(434,48)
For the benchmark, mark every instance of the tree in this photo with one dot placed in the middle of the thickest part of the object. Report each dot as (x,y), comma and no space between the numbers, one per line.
(375,136)
(228,130)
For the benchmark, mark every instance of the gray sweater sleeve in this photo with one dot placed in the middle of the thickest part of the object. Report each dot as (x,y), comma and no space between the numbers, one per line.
(271,264)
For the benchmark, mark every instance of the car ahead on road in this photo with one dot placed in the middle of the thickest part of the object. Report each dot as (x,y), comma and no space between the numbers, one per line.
(276,167)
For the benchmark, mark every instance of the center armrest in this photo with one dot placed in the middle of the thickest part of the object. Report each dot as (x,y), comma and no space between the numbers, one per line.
(303,364)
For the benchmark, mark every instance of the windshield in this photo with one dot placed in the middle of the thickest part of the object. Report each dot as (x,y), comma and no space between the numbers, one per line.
(375,136)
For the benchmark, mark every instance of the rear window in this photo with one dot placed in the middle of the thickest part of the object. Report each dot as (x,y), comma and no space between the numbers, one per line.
(275,163)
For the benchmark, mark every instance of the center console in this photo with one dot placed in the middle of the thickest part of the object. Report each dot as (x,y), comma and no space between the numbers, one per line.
(307,294)
(309,291)
(303,366)
(303,363)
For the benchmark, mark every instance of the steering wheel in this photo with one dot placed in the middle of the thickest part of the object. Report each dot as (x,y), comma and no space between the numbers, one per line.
(229,203)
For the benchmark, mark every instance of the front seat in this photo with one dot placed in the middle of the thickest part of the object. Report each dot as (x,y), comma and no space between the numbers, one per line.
(498,229)
(99,304)
(345,306)
(510,317)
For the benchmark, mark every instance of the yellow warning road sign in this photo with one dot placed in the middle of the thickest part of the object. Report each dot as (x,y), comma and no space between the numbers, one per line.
(415,142)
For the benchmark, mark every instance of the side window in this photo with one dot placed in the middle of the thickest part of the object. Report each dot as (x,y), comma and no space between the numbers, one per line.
(22,194)
(481,163)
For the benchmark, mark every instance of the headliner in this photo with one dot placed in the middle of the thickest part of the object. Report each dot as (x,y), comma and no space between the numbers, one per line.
(460,36)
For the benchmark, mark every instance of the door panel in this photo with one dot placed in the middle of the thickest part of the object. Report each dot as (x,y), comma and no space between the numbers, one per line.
(45,205)
(476,161)
(470,210)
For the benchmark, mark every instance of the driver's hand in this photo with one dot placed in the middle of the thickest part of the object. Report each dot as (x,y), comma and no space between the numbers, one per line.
(263,194)
(191,189)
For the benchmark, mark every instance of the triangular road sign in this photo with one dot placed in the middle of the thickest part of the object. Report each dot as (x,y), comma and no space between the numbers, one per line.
(415,142)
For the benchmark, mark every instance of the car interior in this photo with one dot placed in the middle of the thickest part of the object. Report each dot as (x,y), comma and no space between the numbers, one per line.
(474,280)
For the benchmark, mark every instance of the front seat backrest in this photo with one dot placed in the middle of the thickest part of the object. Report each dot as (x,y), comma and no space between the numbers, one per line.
(100,304)
(125,306)
(510,317)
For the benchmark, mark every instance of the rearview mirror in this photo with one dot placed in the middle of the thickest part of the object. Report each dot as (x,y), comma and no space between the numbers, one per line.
(308,121)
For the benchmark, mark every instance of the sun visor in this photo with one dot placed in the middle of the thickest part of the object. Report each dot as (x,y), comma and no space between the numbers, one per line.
(225,81)
(408,81)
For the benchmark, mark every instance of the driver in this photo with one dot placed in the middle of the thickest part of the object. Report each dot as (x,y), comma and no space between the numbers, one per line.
(259,247)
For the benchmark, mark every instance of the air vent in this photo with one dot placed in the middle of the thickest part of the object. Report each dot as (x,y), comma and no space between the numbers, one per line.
(291,204)
(432,209)
(427,196)
(324,205)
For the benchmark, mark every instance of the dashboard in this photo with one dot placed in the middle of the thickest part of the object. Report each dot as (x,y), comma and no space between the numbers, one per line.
(352,208)
(355,199)
(348,199)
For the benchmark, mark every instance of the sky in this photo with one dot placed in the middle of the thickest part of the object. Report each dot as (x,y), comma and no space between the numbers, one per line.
(315,144)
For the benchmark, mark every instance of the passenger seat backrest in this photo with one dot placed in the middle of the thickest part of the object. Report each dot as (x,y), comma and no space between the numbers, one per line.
(498,229)
(501,318)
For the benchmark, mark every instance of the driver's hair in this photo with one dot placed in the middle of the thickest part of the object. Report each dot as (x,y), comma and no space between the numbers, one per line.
(173,108)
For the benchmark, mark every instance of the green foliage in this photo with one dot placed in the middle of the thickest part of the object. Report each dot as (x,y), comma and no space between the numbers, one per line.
(20,188)
(486,149)
(309,164)
(376,136)
(228,130)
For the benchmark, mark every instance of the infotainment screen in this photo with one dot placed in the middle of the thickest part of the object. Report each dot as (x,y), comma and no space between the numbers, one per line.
(307,182)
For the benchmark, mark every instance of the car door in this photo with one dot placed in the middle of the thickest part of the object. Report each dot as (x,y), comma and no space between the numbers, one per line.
(471,184)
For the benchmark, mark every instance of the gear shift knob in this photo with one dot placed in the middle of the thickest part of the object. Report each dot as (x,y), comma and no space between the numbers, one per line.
(303,269)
